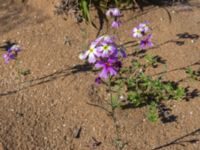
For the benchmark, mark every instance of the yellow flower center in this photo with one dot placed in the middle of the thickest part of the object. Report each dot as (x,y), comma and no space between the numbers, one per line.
(105,47)
(91,50)
(138,31)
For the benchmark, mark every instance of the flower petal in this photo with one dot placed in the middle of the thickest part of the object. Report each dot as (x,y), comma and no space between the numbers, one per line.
(104,73)
(83,55)
(91,58)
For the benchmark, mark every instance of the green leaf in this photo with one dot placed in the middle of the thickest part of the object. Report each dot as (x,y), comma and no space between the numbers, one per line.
(85,9)
(152,112)
(179,93)
(115,102)
(134,98)
(136,65)
(191,73)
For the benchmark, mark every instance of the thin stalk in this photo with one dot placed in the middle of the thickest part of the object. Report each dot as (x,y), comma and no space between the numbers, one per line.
(113,111)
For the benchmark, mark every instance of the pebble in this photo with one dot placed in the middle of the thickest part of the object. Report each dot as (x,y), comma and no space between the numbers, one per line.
(191,113)
(121,97)
(192,41)
(76,132)
(12,110)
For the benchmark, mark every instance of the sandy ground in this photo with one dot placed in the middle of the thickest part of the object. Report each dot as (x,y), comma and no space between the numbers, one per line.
(45,109)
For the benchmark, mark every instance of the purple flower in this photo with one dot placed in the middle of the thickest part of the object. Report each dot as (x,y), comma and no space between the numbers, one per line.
(8,56)
(146,42)
(91,54)
(11,53)
(107,49)
(14,48)
(108,39)
(137,32)
(109,67)
(97,41)
(144,27)
(98,80)
(113,12)
(140,30)
(116,24)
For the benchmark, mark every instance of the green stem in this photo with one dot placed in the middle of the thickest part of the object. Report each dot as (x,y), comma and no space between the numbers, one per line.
(113,111)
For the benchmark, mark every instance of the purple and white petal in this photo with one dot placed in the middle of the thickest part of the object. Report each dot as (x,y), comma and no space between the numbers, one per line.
(83,55)
(144,27)
(91,58)
(116,12)
(104,73)
(109,12)
(116,24)
(99,65)
(105,53)
(108,39)
(137,33)
(112,71)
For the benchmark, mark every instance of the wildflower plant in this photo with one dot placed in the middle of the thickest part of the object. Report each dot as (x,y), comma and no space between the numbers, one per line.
(141,32)
(11,53)
(115,14)
(194,75)
(131,85)
(102,5)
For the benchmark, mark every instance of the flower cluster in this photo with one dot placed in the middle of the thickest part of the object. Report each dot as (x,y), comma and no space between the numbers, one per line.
(11,53)
(104,54)
(140,32)
(115,13)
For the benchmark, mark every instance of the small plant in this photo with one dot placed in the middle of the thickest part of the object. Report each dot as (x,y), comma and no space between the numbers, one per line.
(82,8)
(115,103)
(138,88)
(24,72)
(152,113)
(114,13)
(11,53)
(192,74)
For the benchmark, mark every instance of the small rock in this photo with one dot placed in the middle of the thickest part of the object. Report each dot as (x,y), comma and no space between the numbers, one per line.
(121,97)
(94,143)
(12,110)
(77,132)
